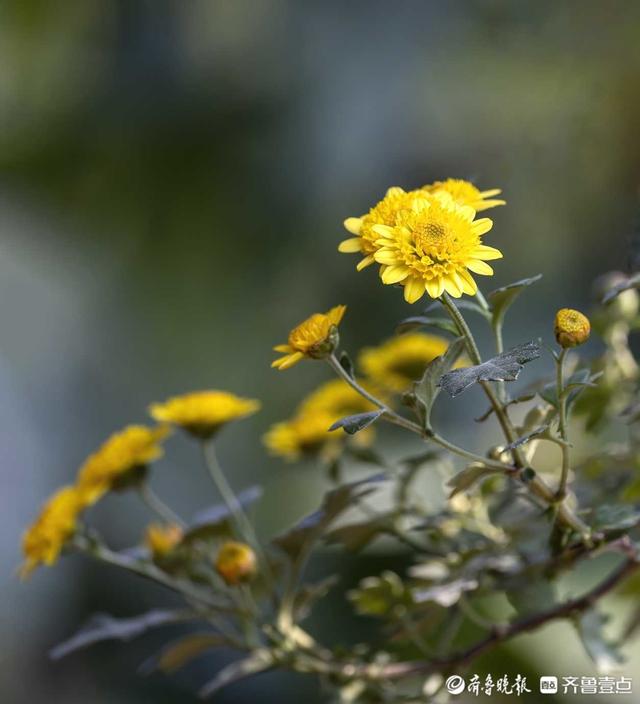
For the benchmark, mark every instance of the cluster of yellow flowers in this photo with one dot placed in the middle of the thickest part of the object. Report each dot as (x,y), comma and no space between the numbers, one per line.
(122,462)
(427,240)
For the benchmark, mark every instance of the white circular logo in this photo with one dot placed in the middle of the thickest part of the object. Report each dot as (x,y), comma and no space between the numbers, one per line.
(455,684)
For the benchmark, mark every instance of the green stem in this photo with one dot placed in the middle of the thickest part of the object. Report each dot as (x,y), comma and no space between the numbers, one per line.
(393,417)
(158,506)
(562,425)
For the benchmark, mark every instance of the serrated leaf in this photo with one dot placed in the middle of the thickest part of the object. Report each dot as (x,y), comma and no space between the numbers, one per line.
(179,653)
(468,477)
(602,651)
(426,321)
(258,661)
(540,430)
(504,367)
(502,298)
(354,424)
(427,389)
(102,627)
(217,520)
(311,528)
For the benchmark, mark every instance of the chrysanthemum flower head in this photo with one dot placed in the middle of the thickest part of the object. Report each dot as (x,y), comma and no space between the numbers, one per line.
(383,213)
(236,562)
(203,413)
(307,433)
(433,248)
(401,360)
(162,538)
(316,337)
(465,193)
(43,541)
(121,461)
(571,327)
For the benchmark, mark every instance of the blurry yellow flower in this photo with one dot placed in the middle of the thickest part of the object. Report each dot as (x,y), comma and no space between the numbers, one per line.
(315,337)
(162,538)
(121,461)
(383,213)
(202,413)
(465,193)
(400,360)
(43,541)
(433,247)
(307,433)
(236,562)
(571,327)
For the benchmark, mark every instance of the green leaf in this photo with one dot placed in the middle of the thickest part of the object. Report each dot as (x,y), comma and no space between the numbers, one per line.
(602,651)
(354,424)
(258,661)
(308,594)
(347,364)
(427,389)
(540,430)
(102,627)
(615,291)
(356,536)
(504,367)
(532,597)
(446,594)
(217,520)
(177,654)
(310,529)
(502,298)
(468,477)
(379,596)
(426,321)
(574,385)
(612,518)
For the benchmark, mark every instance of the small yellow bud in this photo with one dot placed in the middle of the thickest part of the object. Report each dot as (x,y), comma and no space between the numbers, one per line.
(236,562)
(161,539)
(572,328)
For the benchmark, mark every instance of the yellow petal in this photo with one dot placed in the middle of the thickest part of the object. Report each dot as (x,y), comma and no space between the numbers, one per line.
(353,225)
(479,267)
(413,290)
(435,287)
(383,230)
(491,192)
(394,191)
(482,251)
(364,263)
(353,244)
(386,256)
(288,361)
(466,282)
(283,348)
(394,274)
(336,314)
(451,286)
(486,204)
(480,227)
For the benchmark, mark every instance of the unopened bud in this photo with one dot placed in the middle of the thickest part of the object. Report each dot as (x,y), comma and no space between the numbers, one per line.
(572,328)
(236,562)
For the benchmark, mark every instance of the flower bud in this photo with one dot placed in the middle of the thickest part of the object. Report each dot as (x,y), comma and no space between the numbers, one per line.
(236,562)
(162,539)
(572,328)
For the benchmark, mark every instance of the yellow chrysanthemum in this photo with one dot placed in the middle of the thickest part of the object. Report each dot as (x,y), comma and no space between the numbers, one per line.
(465,193)
(383,213)
(433,247)
(202,413)
(315,337)
(120,461)
(236,562)
(43,541)
(401,360)
(162,538)
(307,433)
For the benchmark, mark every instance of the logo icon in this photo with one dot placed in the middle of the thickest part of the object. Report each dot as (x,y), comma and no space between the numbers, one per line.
(455,684)
(548,685)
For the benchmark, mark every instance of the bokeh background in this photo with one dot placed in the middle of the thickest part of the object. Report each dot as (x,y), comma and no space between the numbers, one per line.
(173,178)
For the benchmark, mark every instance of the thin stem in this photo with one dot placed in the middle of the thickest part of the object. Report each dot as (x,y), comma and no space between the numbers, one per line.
(158,506)
(395,418)
(562,424)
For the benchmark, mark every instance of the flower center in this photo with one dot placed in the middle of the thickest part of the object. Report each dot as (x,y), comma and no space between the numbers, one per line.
(430,235)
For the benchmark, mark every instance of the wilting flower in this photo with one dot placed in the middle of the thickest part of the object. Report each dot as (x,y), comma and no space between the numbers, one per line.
(121,461)
(162,538)
(236,562)
(571,327)
(465,193)
(202,413)
(43,541)
(315,337)
(383,213)
(433,247)
(307,433)
(400,360)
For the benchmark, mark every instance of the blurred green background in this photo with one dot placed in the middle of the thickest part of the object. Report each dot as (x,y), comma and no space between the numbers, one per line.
(173,178)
